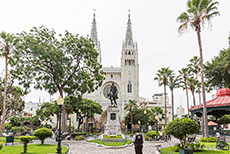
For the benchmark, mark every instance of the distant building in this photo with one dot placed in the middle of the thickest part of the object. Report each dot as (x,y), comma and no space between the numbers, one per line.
(180,111)
(31,108)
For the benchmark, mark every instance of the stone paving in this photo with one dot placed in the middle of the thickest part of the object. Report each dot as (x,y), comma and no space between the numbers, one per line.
(83,147)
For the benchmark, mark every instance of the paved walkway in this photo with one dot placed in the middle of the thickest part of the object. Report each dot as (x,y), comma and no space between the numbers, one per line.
(83,147)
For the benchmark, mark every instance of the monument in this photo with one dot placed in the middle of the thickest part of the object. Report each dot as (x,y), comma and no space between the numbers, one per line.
(113,126)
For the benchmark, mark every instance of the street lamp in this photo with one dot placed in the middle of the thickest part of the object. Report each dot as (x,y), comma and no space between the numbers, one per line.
(60,102)
(84,125)
(145,112)
(157,118)
(69,123)
(139,122)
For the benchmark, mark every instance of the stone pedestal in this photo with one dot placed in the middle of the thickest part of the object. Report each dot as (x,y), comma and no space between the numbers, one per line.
(112,126)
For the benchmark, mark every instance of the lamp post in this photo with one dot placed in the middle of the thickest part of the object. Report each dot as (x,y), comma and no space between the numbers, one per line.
(145,112)
(84,125)
(139,122)
(69,123)
(60,102)
(156,117)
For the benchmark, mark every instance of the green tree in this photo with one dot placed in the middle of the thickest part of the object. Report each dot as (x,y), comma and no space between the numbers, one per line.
(64,64)
(42,134)
(25,140)
(192,82)
(130,107)
(84,108)
(194,67)
(138,115)
(174,82)
(197,13)
(156,112)
(184,74)
(180,128)
(163,76)
(7,43)
(224,120)
(14,100)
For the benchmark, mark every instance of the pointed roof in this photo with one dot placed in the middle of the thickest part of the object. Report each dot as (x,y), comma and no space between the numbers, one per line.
(93,35)
(129,34)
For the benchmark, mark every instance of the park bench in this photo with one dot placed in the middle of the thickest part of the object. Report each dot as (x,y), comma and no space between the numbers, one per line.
(10,139)
(221,144)
(191,139)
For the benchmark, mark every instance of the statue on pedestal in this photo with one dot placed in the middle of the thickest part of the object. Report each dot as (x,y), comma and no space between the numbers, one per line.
(113,95)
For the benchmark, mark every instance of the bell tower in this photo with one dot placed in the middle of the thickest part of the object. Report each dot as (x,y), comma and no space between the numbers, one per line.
(129,66)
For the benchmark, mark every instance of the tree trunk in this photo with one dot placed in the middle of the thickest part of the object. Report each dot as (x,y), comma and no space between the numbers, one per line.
(64,117)
(5,93)
(202,83)
(172,105)
(193,96)
(131,118)
(187,98)
(165,106)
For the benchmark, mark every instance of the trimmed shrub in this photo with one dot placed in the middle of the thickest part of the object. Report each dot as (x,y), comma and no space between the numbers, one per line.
(148,138)
(79,137)
(195,146)
(26,140)
(42,134)
(78,134)
(210,139)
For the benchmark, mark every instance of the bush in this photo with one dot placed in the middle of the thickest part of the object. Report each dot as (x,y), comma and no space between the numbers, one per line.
(195,146)
(210,139)
(78,134)
(8,126)
(79,137)
(148,138)
(26,140)
(42,134)
(20,130)
(180,128)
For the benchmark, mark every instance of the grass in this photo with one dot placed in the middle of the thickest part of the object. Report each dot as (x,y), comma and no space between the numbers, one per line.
(3,139)
(111,143)
(169,151)
(32,149)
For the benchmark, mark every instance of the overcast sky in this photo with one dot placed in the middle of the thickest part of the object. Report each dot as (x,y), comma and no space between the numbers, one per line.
(154,28)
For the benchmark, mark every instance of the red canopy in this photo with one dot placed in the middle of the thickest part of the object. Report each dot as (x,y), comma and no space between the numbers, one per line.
(211,123)
(222,99)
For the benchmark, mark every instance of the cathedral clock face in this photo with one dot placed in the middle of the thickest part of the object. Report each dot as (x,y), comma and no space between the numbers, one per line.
(106,90)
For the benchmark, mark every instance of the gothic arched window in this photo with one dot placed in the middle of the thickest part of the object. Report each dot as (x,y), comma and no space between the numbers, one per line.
(129,87)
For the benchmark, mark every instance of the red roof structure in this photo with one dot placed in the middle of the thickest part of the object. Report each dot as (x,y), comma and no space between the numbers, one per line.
(211,123)
(222,99)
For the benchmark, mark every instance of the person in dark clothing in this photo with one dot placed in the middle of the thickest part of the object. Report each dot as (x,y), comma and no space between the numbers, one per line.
(138,140)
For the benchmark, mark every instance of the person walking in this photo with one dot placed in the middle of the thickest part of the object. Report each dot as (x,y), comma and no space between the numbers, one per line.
(138,140)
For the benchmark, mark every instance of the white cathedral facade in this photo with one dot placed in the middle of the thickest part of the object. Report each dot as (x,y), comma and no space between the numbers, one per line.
(125,77)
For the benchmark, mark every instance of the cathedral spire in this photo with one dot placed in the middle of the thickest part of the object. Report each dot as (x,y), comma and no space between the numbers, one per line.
(129,34)
(93,35)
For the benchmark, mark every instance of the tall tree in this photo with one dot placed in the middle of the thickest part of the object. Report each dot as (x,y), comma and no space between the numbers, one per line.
(184,74)
(192,82)
(7,43)
(163,76)
(174,82)
(194,67)
(130,107)
(65,64)
(197,13)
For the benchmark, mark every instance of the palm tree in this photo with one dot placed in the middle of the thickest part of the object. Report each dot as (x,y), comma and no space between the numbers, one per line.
(174,82)
(194,67)
(162,77)
(156,114)
(130,107)
(197,13)
(7,42)
(184,74)
(192,82)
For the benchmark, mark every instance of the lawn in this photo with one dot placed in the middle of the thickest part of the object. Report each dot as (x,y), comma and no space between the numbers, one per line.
(32,149)
(168,150)
(111,143)
(3,139)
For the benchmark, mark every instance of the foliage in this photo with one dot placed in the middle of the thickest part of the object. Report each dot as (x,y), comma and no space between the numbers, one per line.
(208,139)
(111,143)
(152,134)
(148,138)
(18,120)
(138,115)
(195,146)
(8,126)
(79,137)
(218,69)
(112,137)
(1,145)
(20,129)
(156,112)
(32,149)
(224,120)
(26,140)
(86,107)
(14,98)
(180,128)
(42,134)
(78,134)
(47,110)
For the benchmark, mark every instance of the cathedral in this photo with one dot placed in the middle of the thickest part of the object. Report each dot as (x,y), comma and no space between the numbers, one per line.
(125,77)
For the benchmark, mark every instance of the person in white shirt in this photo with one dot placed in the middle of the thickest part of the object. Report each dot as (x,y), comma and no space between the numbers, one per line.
(138,140)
